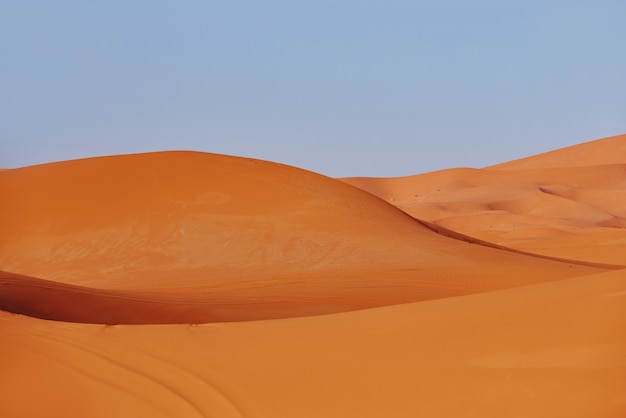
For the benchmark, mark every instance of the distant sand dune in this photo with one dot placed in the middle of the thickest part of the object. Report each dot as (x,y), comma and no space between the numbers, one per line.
(532,204)
(611,150)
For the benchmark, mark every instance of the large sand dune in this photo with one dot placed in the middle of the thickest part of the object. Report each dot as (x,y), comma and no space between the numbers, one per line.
(492,292)
(242,239)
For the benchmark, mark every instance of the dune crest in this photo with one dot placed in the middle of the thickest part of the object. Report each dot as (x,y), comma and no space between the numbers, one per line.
(611,150)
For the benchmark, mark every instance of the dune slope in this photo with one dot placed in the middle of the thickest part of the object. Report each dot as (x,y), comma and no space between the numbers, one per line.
(243,239)
(568,203)
(556,349)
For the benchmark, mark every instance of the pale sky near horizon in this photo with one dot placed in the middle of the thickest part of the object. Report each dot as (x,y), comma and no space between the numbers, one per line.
(341,87)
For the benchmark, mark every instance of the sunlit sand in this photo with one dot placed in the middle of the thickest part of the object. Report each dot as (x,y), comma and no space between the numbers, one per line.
(184,284)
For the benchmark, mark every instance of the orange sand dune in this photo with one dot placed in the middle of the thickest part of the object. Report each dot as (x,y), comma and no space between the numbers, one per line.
(550,350)
(243,286)
(245,239)
(528,208)
(611,150)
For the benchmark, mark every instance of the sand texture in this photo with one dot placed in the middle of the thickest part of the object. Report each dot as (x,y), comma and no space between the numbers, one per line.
(567,203)
(186,284)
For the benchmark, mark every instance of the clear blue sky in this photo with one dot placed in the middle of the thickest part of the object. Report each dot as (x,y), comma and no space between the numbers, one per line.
(341,87)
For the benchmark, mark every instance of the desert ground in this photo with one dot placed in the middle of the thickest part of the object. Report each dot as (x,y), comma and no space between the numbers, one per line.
(187,284)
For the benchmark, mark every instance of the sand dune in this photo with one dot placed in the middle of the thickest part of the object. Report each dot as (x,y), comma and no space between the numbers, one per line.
(552,350)
(243,239)
(253,289)
(611,150)
(527,204)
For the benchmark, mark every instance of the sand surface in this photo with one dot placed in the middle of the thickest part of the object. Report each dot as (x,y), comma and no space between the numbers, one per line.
(183,284)
(567,203)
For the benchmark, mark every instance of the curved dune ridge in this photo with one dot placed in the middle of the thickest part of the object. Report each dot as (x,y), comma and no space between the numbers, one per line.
(142,285)
(242,239)
(567,203)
